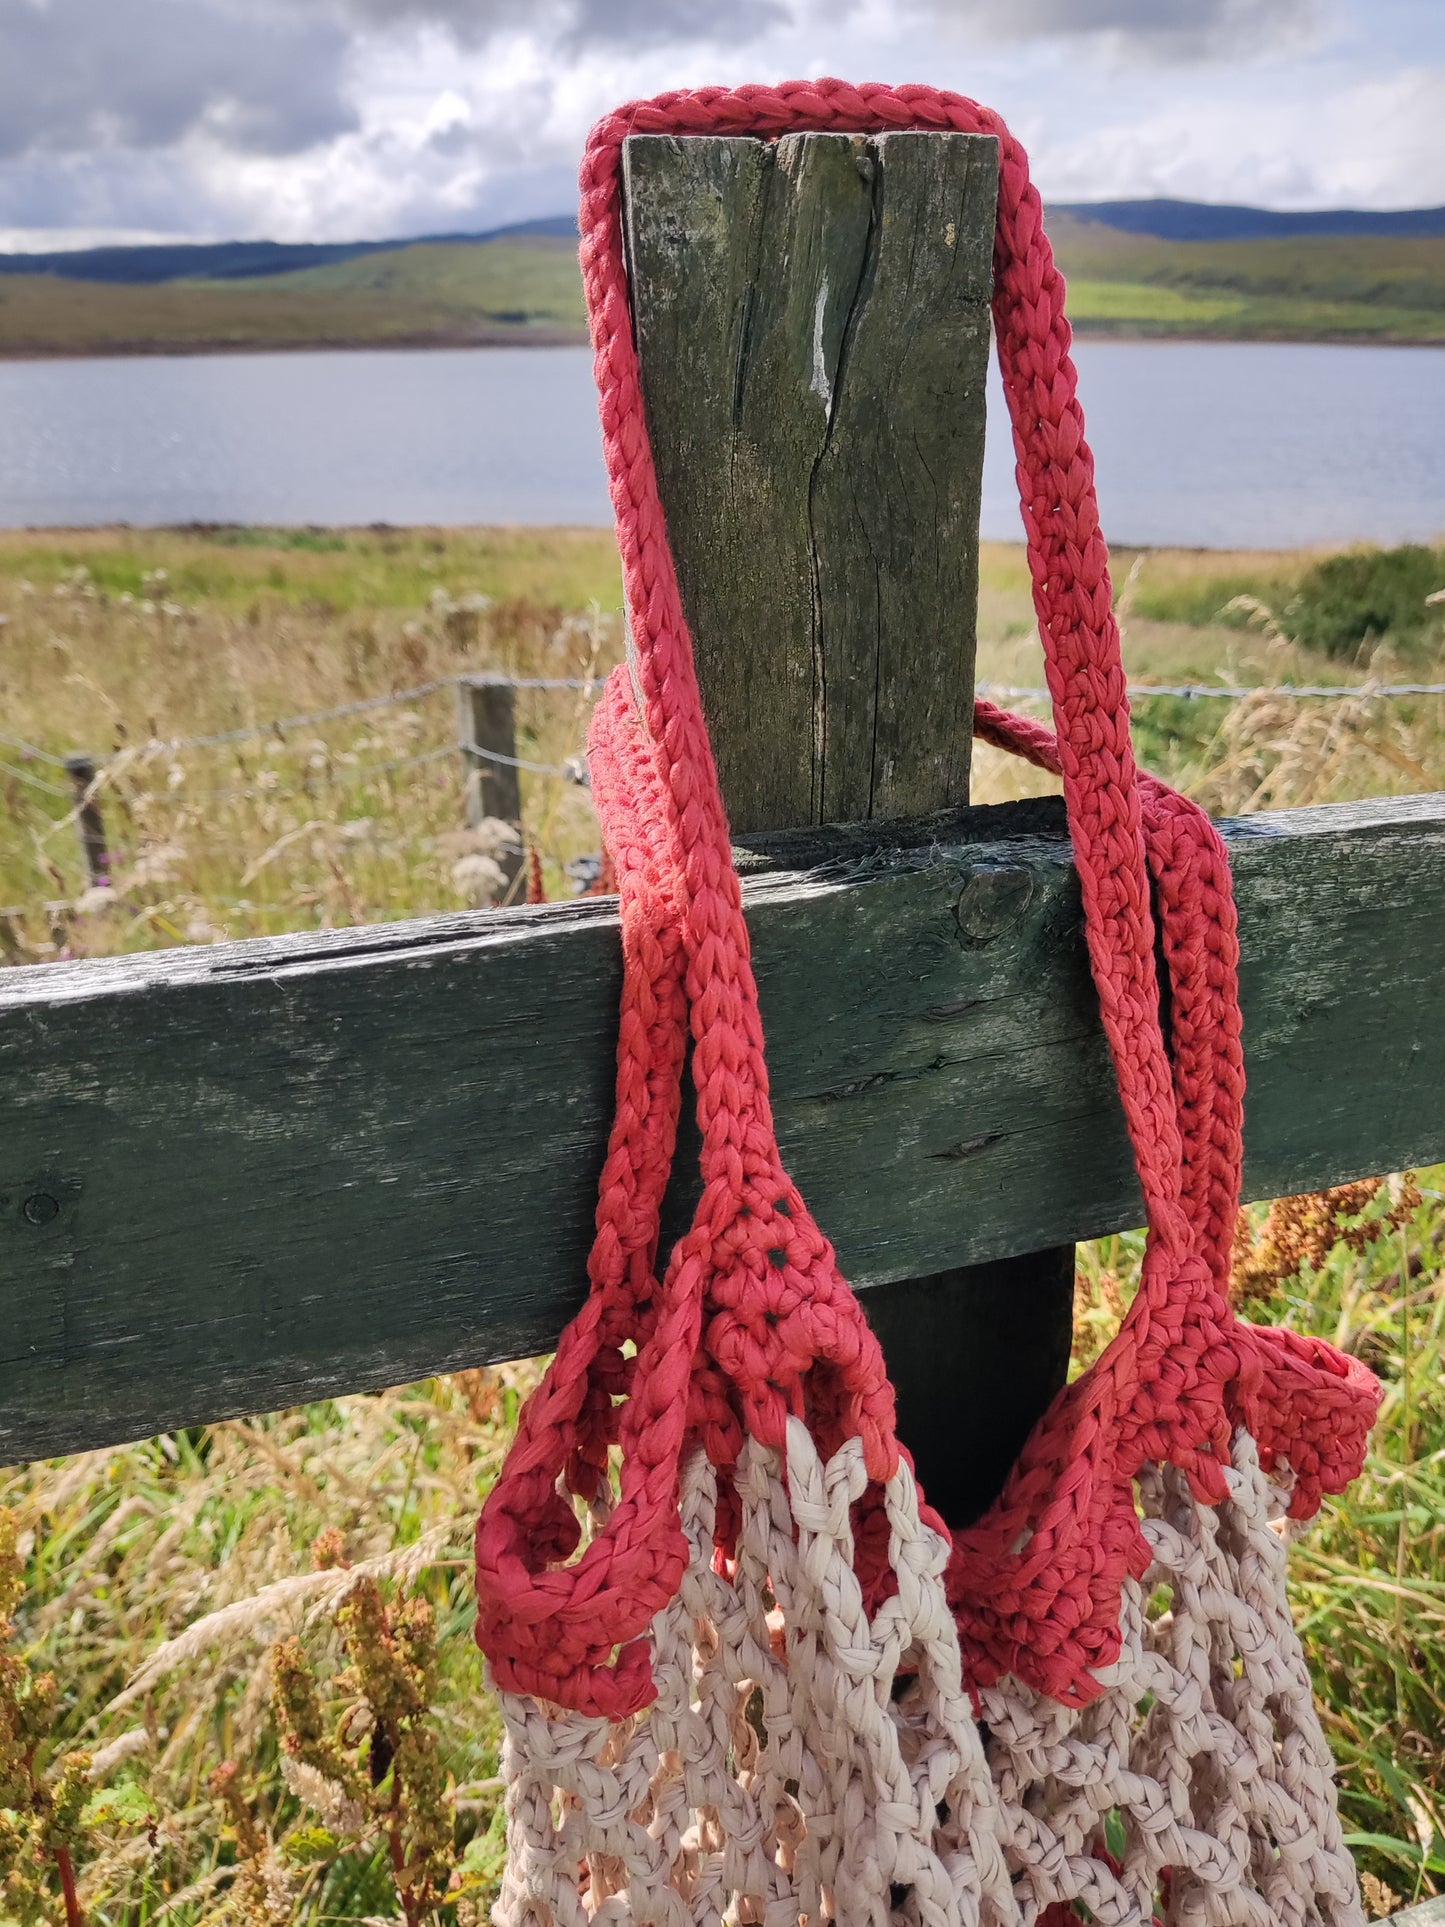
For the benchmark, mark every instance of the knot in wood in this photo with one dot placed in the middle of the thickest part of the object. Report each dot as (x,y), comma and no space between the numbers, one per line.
(992,901)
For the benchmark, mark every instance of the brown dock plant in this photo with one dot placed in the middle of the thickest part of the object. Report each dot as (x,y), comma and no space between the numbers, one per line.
(42,1813)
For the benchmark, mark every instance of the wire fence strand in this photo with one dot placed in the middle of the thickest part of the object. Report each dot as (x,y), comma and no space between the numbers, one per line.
(32,749)
(36,782)
(1013,692)
(182,794)
(574,770)
(1233,692)
(279,725)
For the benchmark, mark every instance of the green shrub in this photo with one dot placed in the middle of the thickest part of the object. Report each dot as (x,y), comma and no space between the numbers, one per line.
(1202,600)
(1349,599)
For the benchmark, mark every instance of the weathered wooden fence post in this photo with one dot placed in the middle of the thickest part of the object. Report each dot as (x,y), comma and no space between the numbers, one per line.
(90,827)
(487,729)
(812,319)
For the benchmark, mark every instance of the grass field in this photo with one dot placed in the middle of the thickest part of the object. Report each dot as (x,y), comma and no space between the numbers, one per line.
(194,1809)
(529,290)
(116,642)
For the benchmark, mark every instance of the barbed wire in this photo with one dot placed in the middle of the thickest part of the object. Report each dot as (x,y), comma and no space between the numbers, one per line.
(1014,692)
(182,794)
(1233,692)
(37,782)
(280,725)
(574,770)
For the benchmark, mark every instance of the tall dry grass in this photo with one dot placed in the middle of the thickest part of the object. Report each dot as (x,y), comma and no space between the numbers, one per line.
(163,1578)
(188,1594)
(116,645)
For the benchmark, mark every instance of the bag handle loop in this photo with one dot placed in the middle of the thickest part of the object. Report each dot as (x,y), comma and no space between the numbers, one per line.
(1068,562)
(573,1634)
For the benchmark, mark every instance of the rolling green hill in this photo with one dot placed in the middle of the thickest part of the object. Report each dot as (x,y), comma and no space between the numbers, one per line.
(525,289)
(1316,287)
(521,283)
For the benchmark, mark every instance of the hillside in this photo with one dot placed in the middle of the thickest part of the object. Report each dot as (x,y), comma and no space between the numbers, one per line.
(1207,221)
(521,285)
(1298,287)
(430,294)
(236,260)
(531,281)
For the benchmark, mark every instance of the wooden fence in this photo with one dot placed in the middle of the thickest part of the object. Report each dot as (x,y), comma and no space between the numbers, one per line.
(237,1177)
(486,747)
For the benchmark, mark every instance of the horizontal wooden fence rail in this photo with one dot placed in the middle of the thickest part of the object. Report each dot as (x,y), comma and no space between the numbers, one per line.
(240,1176)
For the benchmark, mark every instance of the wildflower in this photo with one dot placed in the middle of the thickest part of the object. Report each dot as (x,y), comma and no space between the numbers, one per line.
(43,1821)
(479,880)
(1299,1233)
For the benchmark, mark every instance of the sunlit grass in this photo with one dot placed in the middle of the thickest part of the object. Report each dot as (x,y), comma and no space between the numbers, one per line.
(115,643)
(1368,1579)
(1141,301)
(361,819)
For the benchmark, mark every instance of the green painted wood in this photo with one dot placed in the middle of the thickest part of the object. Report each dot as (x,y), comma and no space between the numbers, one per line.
(1429,1913)
(812,320)
(237,1176)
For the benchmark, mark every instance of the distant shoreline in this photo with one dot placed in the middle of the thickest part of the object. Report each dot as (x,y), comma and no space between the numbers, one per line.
(577,338)
(355,344)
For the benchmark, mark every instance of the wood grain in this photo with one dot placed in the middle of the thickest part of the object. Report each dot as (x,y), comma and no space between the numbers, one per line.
(1429,1913)
(812,320)
(363,1156)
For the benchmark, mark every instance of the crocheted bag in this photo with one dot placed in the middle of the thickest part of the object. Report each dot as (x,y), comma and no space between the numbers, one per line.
(771,1686)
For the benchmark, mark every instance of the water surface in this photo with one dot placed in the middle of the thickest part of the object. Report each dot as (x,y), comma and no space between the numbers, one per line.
(1220,444)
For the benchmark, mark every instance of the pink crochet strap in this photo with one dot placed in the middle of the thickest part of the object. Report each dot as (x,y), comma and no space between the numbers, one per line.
(555,1623)
(1067,558)
(751,1323)
(1199,930)
(1312,1406)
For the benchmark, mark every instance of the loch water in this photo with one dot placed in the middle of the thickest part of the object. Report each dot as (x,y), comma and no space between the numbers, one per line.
(1213,444)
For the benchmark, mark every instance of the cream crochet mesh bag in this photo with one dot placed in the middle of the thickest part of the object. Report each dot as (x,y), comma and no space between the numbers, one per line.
(803,1762)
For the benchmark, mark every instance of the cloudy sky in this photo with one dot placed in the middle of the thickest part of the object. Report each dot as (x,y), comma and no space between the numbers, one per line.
(339,119)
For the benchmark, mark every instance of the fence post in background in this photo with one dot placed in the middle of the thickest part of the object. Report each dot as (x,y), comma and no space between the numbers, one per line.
(818,432)
(91,829)
(487,728)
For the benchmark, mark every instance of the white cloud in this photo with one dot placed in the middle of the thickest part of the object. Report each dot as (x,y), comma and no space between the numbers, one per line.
(1386,136)
(336,119)
(1149,30)
(1372,144)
